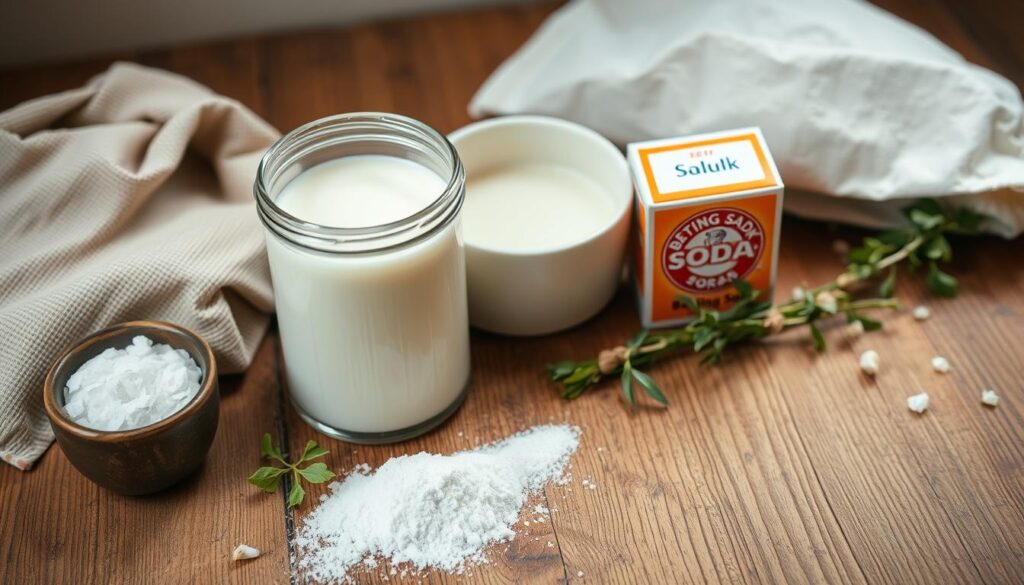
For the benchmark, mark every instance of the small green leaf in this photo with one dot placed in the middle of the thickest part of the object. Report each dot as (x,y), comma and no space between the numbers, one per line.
(267,478)
(938,248)
(819,339)
(637,340)
(627,384)
(868,323)
(690,302)
(650,386)
(887,286)
(316,473)
(924,220)
(940,283)
(579,375)
(702,337)
(560,370)
(269,451)
(312,451)
(744,288)
(296,494)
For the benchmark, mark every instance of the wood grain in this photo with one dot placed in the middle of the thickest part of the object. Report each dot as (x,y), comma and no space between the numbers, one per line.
(60,528)
(780,465)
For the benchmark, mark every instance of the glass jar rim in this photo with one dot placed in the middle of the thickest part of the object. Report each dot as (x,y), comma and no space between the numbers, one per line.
(314,135)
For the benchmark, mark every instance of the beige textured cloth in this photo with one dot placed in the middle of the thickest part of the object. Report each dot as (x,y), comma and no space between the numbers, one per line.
(129,198)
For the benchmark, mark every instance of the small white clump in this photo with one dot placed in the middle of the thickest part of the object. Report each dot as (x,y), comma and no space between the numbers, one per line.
(918,402)
(869,362)
(855,329)
(124,389)
(921,312)
(243,552)
(940,364)
(799,293)
(989,397)
(432,510)
(579,573)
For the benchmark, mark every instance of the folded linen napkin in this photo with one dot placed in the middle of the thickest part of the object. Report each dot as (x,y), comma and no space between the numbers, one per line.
(129,198)
(863,111)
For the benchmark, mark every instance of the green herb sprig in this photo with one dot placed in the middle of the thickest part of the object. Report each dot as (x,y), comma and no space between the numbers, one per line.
(922,243)
(268,478)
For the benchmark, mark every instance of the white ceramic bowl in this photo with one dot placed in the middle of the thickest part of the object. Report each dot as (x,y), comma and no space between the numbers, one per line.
(532,293)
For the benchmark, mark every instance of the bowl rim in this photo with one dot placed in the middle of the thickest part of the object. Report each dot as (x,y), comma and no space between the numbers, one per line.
(561,124)
(59,417)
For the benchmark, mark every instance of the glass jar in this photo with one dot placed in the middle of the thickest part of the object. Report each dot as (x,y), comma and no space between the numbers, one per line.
(373,320)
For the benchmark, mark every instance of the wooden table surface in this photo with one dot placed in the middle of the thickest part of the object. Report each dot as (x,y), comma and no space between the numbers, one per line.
(780,465)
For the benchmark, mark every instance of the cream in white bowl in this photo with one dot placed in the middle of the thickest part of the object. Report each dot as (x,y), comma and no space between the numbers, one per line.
(545,222)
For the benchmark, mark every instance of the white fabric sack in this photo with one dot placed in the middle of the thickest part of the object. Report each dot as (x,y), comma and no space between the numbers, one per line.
(862,111)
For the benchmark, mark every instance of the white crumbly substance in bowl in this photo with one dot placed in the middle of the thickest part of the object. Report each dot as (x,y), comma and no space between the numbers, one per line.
(124,389)
(918,402)
(430,510)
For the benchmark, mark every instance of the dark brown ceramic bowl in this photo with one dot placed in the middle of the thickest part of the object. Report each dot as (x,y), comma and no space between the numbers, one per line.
(150,458)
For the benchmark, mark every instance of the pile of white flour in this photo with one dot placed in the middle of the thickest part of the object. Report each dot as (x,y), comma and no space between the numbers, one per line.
(432,510)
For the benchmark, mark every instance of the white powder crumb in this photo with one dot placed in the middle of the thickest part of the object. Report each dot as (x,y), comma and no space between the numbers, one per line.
(460,434)
(600,449)
(579,573)
(124,389)
(869,362)
(918,402)
(989,397)
(527,523)
(243,552)
(551,544)
(539,520)
(540,509)
(432,511)
(855,329)
(940,364)
(921,312)
(799,293)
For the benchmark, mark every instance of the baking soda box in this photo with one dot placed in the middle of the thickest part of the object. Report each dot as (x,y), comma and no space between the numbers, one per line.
(708,212)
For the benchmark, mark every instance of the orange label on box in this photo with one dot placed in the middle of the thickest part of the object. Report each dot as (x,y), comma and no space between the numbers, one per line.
(701,249)
(708,211)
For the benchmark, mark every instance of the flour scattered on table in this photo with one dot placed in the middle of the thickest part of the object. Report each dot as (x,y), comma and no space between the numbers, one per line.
(922,312)
(432,510)
(989,397)
(940,364)
(918,402)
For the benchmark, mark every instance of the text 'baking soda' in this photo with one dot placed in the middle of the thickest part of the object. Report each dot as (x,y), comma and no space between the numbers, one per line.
(707,213)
